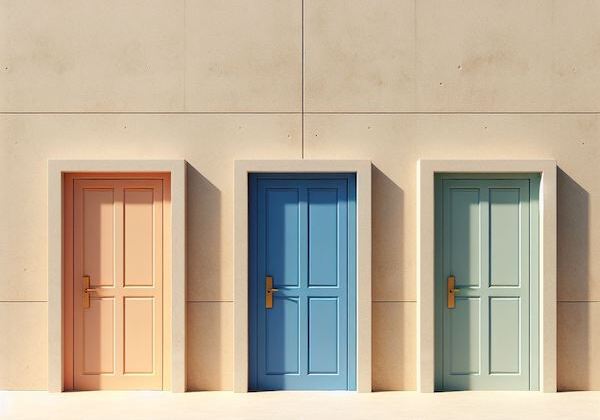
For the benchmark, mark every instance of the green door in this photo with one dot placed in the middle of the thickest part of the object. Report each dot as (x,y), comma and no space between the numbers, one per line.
(486,245)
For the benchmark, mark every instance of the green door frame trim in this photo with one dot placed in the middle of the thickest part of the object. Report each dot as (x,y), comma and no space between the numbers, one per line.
(426,174)
(534,214)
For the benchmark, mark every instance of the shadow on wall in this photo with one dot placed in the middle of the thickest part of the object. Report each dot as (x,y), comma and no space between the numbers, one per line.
(391,357)
(573,331)
(387,237)
(203,289)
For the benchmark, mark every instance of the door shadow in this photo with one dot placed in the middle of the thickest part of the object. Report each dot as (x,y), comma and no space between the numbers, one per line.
(573,317)
(204,285)
(388,282)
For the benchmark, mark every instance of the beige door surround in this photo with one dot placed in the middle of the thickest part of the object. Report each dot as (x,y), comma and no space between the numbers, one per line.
(362,169)
(426,170)
(56,170)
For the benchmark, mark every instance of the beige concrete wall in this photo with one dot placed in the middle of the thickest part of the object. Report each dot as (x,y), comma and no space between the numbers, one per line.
(214,81)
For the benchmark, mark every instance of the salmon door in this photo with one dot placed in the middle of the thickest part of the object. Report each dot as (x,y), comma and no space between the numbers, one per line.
(117,284)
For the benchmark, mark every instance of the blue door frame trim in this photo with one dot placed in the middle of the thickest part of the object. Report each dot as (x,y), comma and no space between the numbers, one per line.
(254,278)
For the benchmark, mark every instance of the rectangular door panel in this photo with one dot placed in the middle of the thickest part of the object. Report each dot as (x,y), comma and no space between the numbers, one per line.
(323,335)
(505,237)
(139,237)
(283,240)
(282,333)
(139,334)
(464,236)
(505,335)
(465,335)
(322,237)
(99,229)
(99,337)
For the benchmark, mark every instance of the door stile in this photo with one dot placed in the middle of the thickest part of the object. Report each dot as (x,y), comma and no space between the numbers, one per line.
(303,276)
(77,281)
(262,254)
(119,238)
(484,278)
(158,275)
(445,270)
(525,272)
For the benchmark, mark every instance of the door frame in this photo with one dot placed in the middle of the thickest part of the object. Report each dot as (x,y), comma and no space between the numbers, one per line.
(362,169)
(60,252)
(426,171)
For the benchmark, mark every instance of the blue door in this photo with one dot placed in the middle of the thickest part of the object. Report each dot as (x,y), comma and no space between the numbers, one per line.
(302,293)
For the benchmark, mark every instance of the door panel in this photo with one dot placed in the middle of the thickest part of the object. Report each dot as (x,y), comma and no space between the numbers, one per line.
(299,235)
(98,337)
(322,237)
(323,335)
(99,227)
(139,334)
(283,337)
(139,231)
(464,216)
(464,329)
(504,243)
(505,338)
(282,227)
(486,244)
(117,242)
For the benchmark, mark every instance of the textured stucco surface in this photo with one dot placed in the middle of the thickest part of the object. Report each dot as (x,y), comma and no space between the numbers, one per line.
(215,81)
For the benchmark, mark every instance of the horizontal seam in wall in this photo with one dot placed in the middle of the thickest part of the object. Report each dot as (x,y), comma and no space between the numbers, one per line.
(152,113)
(23,301)
(300,113)
(394,301)
(209,301)
(452,112)
(578,301)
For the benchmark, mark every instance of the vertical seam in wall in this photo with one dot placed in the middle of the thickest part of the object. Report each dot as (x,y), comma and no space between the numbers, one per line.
(302,65)
(415,55)
(184,56)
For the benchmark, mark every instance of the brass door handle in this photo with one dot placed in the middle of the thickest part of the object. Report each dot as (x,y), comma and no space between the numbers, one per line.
(86,292)
(269,289)
(452,291)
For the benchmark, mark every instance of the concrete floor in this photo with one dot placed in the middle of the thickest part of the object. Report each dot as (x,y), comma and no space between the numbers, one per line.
(299,405)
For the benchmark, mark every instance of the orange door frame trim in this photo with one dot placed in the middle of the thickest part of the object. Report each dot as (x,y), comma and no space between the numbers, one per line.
(68,264)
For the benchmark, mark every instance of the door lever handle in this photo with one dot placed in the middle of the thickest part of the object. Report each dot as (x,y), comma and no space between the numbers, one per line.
(451,292)
(269,289)
(86,292)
